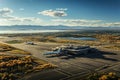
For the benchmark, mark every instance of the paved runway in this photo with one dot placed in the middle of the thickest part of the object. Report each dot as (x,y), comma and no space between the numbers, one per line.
(72,68)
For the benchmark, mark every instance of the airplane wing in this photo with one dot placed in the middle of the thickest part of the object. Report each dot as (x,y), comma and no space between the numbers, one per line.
(52,52)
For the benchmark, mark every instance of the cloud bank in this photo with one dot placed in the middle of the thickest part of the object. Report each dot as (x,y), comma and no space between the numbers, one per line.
(85,22)
(59,12)
(6,18)
(77,22)
(5,11)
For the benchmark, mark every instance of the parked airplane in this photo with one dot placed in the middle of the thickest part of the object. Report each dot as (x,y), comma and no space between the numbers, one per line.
(71,50)
(59,51)
(30,43)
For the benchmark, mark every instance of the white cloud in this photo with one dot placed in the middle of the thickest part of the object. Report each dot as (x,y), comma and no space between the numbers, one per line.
(6,18)
(54,13)
(77,22)
(5,11)
(20,21)
(85,22)
(113,24)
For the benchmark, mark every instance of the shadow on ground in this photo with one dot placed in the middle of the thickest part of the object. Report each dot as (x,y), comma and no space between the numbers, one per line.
(94,55)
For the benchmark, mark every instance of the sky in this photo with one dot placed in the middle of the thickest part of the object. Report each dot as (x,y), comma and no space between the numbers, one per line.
(88,13)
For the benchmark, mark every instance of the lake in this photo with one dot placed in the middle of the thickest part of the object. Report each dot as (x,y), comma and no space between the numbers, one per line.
(27,31)
(80,38)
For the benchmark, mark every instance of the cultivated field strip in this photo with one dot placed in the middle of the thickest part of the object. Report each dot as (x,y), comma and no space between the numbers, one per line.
(45,75)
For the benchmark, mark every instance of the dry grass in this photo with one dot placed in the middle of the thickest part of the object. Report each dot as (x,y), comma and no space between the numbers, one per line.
(5,47)
(44,66)
(104,76)
(14,41)
(12,50)
(14,67)
(18,51)
(103,40)
(58,40)
(108,38)
(113,47)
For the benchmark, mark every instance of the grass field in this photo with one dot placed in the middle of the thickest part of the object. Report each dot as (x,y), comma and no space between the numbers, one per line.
(14,41)
(13,67)
(109,41)
(9,49)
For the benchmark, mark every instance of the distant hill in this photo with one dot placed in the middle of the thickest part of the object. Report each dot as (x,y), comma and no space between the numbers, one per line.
(60,27)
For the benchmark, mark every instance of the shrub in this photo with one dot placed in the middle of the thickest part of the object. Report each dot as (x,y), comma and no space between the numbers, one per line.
(11,67)
(109,76)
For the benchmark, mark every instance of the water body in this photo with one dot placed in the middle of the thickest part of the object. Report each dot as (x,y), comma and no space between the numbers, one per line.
(80,38)
(28,29)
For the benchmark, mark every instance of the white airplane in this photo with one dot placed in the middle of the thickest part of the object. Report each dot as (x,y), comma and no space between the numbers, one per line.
(30,43)
(59,51)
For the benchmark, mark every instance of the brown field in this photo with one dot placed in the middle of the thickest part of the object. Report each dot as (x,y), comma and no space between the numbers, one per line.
(13,67)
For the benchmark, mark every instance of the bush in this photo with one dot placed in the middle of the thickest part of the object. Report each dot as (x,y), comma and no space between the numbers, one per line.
(109,76)
(11,67)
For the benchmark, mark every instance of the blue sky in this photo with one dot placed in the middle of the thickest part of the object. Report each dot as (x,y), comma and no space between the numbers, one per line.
(92,13)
